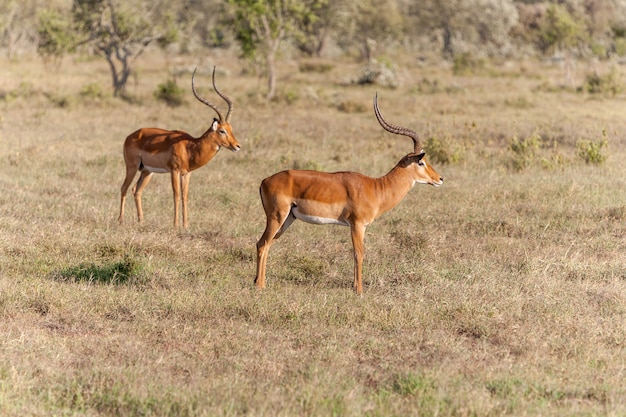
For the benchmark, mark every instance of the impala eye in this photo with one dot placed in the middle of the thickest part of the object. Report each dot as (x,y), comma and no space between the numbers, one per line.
(222,132)
(421,163)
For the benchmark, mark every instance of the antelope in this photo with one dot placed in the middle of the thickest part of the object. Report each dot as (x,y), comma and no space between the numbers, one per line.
(150,150)
(343,198)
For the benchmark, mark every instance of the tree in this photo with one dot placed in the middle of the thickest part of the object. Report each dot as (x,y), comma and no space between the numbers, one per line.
(561,32)
(315,28)
(262,25)
(477,24)
(17,28)
(55,34)
(367,24)
(118,31)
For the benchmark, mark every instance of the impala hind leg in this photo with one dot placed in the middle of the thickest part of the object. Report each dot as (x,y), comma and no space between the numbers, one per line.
(176,183)
(275,227)
(142,182)
(130,176)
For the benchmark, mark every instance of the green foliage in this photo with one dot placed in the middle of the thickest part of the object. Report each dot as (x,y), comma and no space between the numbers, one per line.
(259,22)
(24,90)
(443,151)
(524,150)
(126,270)
(55,35)
(610,83)
(504,388)
(555,161)
(592,151)
(92,90)
(120,32)
(414,385)
(560,30)
(61,100)
(170,93)
(620,46)
(320,67)
(466,64)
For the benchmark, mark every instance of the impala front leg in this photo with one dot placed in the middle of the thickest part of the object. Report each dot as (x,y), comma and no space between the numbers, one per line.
(185,185)
(358,236)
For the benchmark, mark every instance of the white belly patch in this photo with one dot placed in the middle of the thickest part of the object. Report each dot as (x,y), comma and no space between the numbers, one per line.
(316,219)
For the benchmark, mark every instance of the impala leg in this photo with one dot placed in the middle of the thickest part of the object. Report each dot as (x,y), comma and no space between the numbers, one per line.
(358,235)
(142,182)
(274,228)
(130,175)
(176,181)
(185,186)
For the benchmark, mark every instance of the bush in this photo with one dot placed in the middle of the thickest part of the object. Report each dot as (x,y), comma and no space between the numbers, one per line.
(591,151)
(443,151)
(604,84)
(92,90)
(466,64)
(524,150)
(380,74)
(170,93)
(315,66)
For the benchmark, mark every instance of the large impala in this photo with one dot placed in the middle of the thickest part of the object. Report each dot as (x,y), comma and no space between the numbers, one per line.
(150,150)
(344,198)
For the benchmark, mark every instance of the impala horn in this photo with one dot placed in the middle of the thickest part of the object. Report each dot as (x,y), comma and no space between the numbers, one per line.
(417,146)
(208,103)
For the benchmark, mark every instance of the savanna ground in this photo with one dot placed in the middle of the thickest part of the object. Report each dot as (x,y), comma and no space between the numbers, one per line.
(501,293)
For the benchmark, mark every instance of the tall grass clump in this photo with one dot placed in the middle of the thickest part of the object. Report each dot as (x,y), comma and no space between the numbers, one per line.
(127,270)
(607,84)
(92,91)
(591,151)
(524,150)
(170,93)
(467,64)
(440,153)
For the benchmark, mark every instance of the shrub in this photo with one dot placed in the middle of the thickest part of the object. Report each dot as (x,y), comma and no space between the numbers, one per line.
(604,84)
(466,64)
(315,66)
(524,150)
(380,74)
(127,270)
(620,46)
(170,93)
(92,90)
(443,152)
(591,151)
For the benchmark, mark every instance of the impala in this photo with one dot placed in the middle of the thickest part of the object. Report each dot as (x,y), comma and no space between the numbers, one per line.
(343,198)
(150,150)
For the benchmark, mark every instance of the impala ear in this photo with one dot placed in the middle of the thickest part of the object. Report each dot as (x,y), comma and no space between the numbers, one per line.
(214,125)
(420,156)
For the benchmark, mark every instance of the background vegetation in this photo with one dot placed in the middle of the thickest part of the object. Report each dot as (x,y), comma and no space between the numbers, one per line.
(501,293)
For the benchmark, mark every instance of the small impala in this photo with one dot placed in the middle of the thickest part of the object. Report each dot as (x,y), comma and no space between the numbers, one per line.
(150,150)
(343,198)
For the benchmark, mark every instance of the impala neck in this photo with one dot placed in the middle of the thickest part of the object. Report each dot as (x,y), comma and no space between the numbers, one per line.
(205,148)
(394,186)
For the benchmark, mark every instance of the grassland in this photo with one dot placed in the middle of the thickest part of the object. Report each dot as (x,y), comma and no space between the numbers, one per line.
(501,293)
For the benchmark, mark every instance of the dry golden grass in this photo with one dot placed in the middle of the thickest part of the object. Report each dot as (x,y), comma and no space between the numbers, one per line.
(501,293)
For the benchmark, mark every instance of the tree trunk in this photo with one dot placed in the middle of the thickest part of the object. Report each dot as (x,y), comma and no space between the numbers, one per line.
(271,76)
(447,41)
